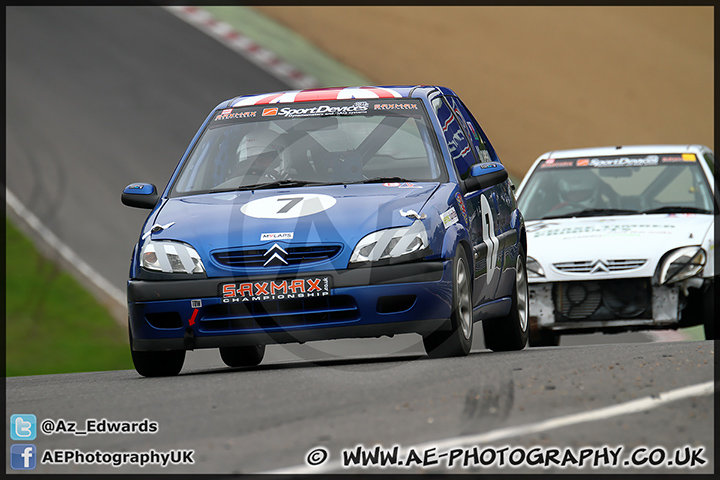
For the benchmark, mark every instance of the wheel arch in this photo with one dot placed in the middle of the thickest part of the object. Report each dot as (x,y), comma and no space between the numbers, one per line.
(464,244)
(456,235)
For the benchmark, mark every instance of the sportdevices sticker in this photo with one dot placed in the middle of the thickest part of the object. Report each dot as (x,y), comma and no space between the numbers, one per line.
(625,161)
(288,206)
(321,110)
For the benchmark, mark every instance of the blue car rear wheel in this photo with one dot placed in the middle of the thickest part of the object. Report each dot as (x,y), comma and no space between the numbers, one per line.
(511,332)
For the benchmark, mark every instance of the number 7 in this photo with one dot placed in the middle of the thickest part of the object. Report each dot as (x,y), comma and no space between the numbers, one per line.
(291,203)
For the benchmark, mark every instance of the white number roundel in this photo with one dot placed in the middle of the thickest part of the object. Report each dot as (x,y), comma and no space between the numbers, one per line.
(291,205)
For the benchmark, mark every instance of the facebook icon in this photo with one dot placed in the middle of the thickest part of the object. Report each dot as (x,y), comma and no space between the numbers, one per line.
(22,457)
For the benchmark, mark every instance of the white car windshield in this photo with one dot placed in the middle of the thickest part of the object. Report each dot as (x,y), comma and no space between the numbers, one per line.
(616,185)
(349,141)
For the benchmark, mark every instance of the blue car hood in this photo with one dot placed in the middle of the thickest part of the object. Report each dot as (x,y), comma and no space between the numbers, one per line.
(226,221)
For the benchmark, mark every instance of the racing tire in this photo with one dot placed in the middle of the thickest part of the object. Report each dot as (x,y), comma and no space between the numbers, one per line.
(510,332)
(245,356)
(157,363)
(458,341)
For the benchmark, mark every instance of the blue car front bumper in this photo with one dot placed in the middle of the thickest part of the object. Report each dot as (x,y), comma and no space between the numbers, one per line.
(362,302)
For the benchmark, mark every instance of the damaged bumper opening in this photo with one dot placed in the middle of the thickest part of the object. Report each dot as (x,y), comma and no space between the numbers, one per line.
(609,305)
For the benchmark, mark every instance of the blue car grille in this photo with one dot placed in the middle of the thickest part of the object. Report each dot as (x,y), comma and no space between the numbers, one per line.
(295,256)
(279,314)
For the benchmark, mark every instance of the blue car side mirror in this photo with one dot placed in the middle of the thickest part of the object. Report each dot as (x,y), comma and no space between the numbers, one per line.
(483,175)
(140,195)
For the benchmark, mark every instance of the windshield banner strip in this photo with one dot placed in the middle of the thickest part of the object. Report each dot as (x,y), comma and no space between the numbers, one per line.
(619,161)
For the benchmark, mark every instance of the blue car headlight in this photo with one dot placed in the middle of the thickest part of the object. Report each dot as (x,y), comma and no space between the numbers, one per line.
(170,257)
(392,243)
(681,263)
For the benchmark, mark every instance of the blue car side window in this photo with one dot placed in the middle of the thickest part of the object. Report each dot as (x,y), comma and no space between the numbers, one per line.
(460,149)
(224,158)
(191,179)
(472,129)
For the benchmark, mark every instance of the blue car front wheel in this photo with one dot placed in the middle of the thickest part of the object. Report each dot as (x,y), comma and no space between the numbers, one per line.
(458,341)
(243,356)
(156,363)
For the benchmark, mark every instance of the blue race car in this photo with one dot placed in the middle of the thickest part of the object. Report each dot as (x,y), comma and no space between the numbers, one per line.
(328,213)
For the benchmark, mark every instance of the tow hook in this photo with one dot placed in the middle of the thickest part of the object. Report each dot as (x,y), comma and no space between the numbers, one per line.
(189,339)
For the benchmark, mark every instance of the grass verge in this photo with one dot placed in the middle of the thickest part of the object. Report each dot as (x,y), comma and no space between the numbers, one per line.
(53,325)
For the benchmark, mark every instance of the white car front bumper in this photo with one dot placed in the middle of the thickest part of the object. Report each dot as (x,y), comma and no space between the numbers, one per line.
(599,308)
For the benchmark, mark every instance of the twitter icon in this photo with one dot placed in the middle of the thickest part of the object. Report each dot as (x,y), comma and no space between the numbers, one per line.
(23,426)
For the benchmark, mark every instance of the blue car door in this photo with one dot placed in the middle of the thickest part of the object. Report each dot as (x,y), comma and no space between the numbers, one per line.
(501,199)
(479,209)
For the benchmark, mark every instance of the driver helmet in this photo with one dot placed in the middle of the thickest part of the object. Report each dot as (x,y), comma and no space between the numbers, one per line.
(579,188)
(261,149)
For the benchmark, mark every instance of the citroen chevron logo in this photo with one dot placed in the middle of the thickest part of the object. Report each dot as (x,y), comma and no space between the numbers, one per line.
(276,256)
(599,266)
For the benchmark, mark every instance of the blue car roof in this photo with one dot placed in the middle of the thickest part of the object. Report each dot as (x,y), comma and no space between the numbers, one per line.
(337,93)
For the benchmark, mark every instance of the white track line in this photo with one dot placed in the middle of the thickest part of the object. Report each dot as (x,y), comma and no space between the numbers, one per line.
(244,45)
(633,406)
(66,252)
(667,335)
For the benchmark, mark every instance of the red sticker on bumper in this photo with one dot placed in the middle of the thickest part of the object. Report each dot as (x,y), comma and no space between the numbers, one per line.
(267,290)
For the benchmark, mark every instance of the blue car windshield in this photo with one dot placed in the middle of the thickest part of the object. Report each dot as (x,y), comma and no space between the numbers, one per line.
(331,142)
(616,185)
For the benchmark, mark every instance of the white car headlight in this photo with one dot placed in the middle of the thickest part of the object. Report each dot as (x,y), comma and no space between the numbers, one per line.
(391,243)
(170,257)
(682,263)
(534,269)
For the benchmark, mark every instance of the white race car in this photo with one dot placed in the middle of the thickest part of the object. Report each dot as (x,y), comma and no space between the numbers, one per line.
(620,238)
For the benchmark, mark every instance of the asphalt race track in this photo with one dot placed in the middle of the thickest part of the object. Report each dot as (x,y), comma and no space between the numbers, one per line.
(242,421)
(98,98)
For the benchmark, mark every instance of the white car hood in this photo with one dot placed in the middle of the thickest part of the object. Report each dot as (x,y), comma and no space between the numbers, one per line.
(600,242)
